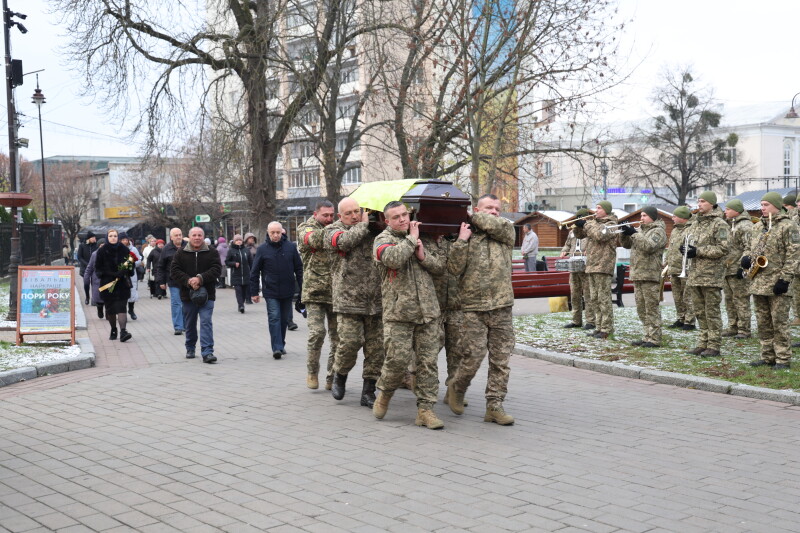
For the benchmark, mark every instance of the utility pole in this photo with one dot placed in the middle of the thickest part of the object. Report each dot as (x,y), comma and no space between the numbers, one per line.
(604,172)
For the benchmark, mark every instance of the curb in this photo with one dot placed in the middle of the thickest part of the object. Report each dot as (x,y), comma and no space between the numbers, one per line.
(658,376)
(85,360)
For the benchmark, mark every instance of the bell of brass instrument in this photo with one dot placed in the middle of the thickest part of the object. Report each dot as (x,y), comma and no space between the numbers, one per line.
(606,229)
(685,255)
(760,262)
(571,224)
(664,277)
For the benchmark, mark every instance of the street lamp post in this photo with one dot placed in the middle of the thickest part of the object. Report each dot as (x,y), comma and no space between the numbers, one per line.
(792,113)
(38,99)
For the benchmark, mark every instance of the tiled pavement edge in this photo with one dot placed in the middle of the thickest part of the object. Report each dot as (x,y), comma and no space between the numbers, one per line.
(149,441)
(659,376)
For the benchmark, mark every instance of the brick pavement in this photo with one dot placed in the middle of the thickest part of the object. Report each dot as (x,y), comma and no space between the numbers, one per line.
(150,441)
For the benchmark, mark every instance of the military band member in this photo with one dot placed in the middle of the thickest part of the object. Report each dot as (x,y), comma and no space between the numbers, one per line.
(316,294)
(481,259)
(601,261)
(356,292)
(578,281)
(647,249)
(680,292)
(778,240)
(708,247)
(737,295)
(410,314)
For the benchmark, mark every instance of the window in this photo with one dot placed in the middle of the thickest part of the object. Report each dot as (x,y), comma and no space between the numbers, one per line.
(787,163)
(548,192)
(304,149)
(418,76)
(279,181)
(730,189)
(730,156)
(307,115)
(548,168)
(629,208)
(705,159)
(346,110)
(352,175)
(419,109)
(272,89)
(299,179)
(350,75)
(341,142)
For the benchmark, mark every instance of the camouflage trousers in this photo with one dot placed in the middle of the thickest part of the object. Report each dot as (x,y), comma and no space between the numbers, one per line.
(737,304)
(404,342)
(452,323)
(647,294)
(356,332)
(772,318)
(317,313)
(706,301)
(795,290)
(601,306)
(484,331)
(683,299)
(580,295)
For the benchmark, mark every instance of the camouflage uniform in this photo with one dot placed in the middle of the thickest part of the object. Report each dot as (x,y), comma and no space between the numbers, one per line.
(782,248)
(356,292)
(647,249)
(710,237)
(795,290)
(578,283)
(452,317)
(483,267)
(737,296)
(680,293)
(316,294)
(601,260)
(410,313)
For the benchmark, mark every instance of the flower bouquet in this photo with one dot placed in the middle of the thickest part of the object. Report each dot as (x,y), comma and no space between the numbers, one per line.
(126,266)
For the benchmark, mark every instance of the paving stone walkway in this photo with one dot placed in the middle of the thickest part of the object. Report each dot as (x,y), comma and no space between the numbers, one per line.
(150,441)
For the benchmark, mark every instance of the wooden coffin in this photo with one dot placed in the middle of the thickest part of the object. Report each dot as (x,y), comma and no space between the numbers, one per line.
(438,205)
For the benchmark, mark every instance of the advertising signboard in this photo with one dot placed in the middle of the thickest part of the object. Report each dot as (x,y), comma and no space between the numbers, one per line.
(45,301)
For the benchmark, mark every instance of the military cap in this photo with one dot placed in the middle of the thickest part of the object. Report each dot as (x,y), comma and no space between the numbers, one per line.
(709,197)
(606,205)
(682,212)
(736,205)
(582,212)
(651,211)
(774,198)
(790,199)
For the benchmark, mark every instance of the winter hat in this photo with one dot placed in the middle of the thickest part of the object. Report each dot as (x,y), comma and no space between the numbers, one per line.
(248,235)
(735,205)
(606,205)
(89,235)
(221,240)
(682,212)
(101,241)
(237,237)
(790,199)
(709,197)
(773,198)
(651,211)
(582,212)
(159,241)
(123,235)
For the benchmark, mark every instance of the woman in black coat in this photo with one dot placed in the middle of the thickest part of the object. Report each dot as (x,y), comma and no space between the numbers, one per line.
(239,260)
(152,264)
(109,259)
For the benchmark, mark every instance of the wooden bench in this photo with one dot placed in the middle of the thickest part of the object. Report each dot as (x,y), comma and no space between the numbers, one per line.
(518,265)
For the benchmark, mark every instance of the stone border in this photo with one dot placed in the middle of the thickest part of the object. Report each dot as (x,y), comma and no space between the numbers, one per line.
(85,360)
(658,376)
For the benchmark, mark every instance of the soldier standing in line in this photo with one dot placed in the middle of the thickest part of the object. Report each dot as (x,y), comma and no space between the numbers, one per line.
(647,249)
(579,293)
(709,245)
(601,260)
(481,260)
(737,295)
(793,213)
(680,292)
(779,241)
(410,314)
(316,295)
(356,291)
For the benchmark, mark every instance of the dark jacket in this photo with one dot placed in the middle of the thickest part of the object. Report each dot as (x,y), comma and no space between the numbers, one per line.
(85,251)
(188,263)
(109,258)
(164,262)
(275,268)
(152,260)
(241,255)
(91,273)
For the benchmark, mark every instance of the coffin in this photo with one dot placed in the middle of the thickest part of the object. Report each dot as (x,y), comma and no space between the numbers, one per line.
(438,205)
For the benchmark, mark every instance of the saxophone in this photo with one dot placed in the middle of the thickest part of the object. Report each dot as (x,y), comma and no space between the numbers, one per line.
(760,260)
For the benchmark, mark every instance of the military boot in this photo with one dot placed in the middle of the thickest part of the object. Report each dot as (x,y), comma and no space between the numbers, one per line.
(328,382)
(455,400)
(427,418)
(338,386)
(368,393)
(496,414)
(312,381)
(446,399)
(381,404)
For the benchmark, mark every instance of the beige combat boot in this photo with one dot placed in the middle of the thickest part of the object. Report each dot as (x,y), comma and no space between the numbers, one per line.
(446,400)
(455,400)
(381,404)
(496,414)
(312,381)
(427,418)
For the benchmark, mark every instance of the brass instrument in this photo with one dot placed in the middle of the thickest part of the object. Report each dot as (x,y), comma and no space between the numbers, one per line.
(664,277)
(755,220)
(571,224)
(686,243)
(760,260)
(607,228)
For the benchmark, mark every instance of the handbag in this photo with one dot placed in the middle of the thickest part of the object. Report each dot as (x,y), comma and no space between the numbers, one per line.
(199,297)
(140,272)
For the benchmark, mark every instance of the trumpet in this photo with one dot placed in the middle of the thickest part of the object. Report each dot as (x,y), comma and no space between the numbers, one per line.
(571,223)
(686,242)
(607,228)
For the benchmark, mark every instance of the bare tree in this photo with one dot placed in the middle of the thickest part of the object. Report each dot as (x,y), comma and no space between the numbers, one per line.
(70,194)
(681,149)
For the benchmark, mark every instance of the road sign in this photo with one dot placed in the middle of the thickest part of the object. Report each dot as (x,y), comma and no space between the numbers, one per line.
(202,218)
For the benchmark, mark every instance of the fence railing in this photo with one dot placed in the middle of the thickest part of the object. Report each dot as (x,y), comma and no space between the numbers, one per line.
(32,244)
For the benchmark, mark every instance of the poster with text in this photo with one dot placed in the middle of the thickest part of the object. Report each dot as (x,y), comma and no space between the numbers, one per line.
(44,300)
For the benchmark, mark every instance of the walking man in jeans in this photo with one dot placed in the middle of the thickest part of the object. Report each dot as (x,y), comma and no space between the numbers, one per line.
(163,278)
(197,265)
(275,268)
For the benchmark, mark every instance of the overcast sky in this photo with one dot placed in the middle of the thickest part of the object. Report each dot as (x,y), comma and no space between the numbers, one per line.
(746,51)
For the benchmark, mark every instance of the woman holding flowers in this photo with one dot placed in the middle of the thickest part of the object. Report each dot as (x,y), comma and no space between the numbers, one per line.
(115,265)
